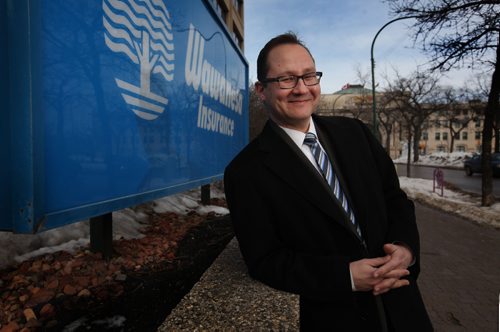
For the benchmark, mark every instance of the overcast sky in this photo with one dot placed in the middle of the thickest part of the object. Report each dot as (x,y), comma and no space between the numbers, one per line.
(339,35)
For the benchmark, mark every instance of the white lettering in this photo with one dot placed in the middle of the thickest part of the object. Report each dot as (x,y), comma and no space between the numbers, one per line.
(194,58)
(198,71)
(211,120)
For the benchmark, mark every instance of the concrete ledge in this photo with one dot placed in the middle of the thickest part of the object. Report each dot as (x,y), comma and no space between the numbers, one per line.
(227,299)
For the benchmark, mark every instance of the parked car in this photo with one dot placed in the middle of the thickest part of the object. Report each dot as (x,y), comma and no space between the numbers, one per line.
(473,165)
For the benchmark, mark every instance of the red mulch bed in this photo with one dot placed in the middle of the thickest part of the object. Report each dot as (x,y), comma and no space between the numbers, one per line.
(139,285)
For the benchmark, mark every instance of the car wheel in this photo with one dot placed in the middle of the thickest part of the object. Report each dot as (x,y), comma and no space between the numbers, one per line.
(468,171)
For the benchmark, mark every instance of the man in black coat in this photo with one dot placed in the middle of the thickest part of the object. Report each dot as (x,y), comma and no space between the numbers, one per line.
(317,208)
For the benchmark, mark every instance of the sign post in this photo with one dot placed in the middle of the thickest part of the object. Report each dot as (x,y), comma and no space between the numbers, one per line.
(438,180)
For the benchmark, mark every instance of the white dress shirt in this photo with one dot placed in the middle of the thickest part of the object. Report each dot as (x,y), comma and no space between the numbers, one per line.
(298,138)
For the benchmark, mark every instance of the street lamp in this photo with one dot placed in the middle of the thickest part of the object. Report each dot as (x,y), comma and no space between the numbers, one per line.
(374,102)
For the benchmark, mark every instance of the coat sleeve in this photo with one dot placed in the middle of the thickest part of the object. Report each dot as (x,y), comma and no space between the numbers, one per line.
(267,257)
(400,210)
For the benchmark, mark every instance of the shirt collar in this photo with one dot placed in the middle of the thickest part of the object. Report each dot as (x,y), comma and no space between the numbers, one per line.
(297,136)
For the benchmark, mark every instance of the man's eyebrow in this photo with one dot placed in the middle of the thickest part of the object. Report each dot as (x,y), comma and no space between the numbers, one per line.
(291,73)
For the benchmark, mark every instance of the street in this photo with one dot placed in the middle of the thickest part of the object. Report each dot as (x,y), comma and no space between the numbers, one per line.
(456,177)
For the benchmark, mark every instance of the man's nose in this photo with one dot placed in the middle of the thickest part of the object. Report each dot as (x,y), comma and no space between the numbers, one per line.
(301,87)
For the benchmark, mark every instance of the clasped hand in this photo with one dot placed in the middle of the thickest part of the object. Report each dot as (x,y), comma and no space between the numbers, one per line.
(382,274)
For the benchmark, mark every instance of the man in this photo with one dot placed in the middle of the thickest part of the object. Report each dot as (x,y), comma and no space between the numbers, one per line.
(326,220)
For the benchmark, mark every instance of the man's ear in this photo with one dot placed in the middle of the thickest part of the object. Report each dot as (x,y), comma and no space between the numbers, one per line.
(259,88)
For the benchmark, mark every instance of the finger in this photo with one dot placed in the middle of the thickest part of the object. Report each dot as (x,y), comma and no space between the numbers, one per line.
(397,273)
(384,284)
(386,268)
(389,284)
(389,248)
(378,261)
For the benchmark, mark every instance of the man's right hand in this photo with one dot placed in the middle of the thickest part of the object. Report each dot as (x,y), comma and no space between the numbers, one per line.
(363,275)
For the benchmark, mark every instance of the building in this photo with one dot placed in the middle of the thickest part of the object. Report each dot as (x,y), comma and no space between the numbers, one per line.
(352,100)
(457,128)
(356,101)
(232,13)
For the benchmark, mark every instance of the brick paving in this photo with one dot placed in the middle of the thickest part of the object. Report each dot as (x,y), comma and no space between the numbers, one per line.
(460,278)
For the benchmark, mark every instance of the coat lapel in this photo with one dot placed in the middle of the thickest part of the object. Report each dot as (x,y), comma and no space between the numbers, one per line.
(336,142)
(288,162)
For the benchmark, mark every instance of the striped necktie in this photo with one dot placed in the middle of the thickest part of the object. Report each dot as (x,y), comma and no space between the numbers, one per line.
(327,170)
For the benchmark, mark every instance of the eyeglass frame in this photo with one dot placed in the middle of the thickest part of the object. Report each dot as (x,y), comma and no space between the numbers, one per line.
(278,79)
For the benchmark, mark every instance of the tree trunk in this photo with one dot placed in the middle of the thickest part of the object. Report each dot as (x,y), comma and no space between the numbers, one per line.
(489,117)
(497,131)
(452,142)
(408,161)
(416,142)
(388,131)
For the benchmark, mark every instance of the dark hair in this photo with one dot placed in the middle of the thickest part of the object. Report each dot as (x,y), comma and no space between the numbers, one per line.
(286,38)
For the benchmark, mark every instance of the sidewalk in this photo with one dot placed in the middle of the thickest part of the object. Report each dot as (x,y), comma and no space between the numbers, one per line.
(460,283)
(460,278)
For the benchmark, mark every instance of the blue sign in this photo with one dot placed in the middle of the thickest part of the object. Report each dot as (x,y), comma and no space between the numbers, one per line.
(5,202)
(112,103)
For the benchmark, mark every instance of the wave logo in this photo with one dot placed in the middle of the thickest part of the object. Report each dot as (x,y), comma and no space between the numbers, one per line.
(141,29)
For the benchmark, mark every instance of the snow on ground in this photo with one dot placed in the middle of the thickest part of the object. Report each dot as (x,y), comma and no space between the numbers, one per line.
(127,223)
(443,159)
(456,203)
(465,205)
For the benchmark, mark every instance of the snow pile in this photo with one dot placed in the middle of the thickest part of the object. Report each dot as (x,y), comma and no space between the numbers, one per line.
(186,202)
(443,159)
(456,203)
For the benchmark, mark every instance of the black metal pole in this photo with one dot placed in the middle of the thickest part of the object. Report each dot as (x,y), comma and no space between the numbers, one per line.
(205,194)
(101,235)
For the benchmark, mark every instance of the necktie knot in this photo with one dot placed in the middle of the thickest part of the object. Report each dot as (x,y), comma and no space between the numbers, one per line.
(310,139)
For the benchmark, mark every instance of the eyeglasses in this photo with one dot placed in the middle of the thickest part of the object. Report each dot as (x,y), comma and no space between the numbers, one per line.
(290,81)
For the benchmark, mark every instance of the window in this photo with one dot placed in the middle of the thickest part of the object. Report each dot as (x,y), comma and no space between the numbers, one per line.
(456,136)
(438,136)
(237,36)
(445,136)
(237,6)
(478,123)
(441,148)
(461,148)
(425,136)
(477,135)
(465,135)
(220,10)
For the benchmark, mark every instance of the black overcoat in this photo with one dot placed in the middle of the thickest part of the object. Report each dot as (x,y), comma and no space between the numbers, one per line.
(295,237)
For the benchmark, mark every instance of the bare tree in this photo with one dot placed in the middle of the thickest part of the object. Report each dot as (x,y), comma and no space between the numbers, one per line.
(479,91)
(457,33)
(388,116)
(458,113)
(416,97)
(258,115)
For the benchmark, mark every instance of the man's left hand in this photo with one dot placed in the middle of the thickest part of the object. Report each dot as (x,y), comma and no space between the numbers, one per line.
(401,258)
